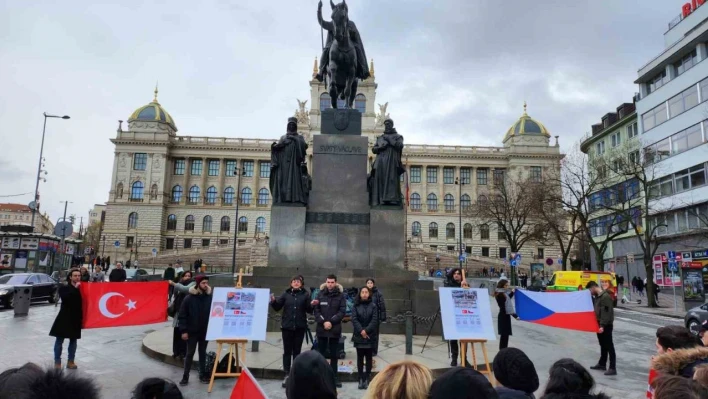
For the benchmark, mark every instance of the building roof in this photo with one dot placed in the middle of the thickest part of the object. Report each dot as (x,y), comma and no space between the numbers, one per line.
(153,112)
(526,125)
(14,208)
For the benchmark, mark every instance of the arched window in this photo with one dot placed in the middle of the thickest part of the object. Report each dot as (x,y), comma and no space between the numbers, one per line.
(450,230)
(211,195)
(243,224)
(432,202)
(194,192)
(263,197)
(260,225)
(484,232)
(206,224)
(172,222)
(136,191)
(415,202)
(433,230)
(229,196)
(119,190)
(246,196)
(465,202)
(415,229)
(467,231)
(360,103)
(325,101)
(176,193)
(482,202)
(133,220)
(449,203)
(225,223)
(189,223)
(153,191)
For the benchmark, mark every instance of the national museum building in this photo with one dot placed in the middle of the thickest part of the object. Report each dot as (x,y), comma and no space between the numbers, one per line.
(174,192)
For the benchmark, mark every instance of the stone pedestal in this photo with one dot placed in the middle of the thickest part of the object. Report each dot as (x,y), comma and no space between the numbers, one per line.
(387,238)
(286,247)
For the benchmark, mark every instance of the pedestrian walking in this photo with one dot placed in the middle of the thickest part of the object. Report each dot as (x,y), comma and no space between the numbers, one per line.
(503,296)
(67,324)
(295,303)
(181,290)
(193,320)
(640,287)
(605,314)
(98,275)
(454,279)
(329,309)
(169,275)
(365,321)
(378,299)
(117,275)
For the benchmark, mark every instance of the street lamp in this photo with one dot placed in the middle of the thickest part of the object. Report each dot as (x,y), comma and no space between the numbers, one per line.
(238,198)
(459,183)
(39,167)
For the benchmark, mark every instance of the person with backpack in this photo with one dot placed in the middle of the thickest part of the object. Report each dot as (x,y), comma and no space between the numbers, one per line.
(365,319)
(378,300)
(329,309)
(296,303)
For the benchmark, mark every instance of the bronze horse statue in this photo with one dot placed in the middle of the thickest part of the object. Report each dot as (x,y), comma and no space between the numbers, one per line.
(343,57)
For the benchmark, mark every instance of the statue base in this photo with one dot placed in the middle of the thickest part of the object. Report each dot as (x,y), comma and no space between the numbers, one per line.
(387,238)
(286,247)
(341,121)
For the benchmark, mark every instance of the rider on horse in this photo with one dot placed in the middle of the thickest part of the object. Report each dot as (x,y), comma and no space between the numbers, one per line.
(362,69)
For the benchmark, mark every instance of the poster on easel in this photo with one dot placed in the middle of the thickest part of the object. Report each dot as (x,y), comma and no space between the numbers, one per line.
(238,313)
(466,314)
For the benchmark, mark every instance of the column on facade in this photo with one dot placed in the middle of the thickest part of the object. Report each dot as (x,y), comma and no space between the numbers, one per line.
(222,177)
(203,184)
(424,183)
(256,179)
(185,179)
(441,188)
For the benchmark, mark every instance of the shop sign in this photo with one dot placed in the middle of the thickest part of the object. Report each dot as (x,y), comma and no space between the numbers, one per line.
(702,254)
(690,7)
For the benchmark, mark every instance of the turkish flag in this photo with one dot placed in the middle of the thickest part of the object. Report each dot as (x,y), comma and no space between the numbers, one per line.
(123,304)
(652,376)
(247,387)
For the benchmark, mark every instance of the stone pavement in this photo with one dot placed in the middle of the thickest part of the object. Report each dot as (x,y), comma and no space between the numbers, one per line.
(666,304)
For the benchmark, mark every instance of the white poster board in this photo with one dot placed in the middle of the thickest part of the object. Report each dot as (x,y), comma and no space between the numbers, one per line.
(466,314)
(238,314)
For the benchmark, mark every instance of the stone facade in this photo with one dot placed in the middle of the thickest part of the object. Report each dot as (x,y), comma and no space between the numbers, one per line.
(150,154)
(20,214)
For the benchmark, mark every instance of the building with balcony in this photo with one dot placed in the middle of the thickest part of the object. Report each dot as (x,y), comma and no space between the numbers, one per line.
(173,192)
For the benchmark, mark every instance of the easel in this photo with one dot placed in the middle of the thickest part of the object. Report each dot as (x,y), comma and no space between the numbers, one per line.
(483,343)
(237,350)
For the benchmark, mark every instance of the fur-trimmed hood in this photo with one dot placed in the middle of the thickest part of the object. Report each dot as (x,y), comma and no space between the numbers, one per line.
(681,361)
(339,286)
(194,290)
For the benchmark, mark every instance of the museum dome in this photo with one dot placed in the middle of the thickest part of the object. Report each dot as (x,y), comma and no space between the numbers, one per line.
(526,125)
(153,112)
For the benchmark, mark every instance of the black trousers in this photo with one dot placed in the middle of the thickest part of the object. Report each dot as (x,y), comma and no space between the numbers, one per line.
(179,346)
(503,341)
(192,343)
(292,344)
(375,347)
(361,354)
(324,343)
(607,347)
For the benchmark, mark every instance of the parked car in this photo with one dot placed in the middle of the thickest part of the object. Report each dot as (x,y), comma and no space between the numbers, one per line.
(44,288)
(695,317)
(537,285)
(135,274)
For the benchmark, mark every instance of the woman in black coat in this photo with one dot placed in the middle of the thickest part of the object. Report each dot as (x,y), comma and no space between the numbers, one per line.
(506,312)
(378,299)
(295,302)
(365,322)
(68,321)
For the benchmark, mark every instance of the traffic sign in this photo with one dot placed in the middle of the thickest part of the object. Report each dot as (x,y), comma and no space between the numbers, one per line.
(671,254)
(560,261)
(63,229)
(464,247)
(673,266)
(154,252)
(32,205)
(462,257)
(549,261)
(116,244)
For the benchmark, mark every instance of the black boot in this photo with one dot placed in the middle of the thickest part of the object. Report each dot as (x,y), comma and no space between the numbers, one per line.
(366,380)
(361,383)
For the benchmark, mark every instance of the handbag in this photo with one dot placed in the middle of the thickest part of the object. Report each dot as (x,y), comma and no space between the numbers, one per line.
(171,311)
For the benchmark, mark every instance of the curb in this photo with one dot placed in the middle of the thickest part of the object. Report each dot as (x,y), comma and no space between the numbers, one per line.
(671,315)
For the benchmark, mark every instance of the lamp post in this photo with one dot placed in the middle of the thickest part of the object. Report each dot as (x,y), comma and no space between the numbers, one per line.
(459,183)
(238,198)
(39,167)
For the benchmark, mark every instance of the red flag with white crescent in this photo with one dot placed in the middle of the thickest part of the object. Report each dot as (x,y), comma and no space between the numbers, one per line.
(123,304)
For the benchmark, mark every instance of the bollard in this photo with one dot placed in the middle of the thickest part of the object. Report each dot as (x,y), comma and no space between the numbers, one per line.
(409,333)
(254,346)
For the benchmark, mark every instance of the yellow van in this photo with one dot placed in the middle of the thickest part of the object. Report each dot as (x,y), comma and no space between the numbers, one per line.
(576,280)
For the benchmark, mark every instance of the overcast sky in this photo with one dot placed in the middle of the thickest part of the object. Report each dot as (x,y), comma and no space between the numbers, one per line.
(453,72)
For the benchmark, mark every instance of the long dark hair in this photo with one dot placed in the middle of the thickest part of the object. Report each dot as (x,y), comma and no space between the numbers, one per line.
(568,376)
(451,275)
(358,295)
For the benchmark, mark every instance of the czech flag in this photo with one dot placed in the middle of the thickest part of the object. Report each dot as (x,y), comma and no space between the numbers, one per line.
(570,310)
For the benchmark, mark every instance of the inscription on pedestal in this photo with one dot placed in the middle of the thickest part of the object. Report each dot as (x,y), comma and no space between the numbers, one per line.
(340,149)
(337,218)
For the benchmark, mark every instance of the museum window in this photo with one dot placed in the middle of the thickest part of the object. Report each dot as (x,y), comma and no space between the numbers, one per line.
(176,193)
(484,232)
(415,229)
(169,243)
(194,193)
(246,196)
(189,223)
(498,176)
(264,169)
(196,167)
(224,241)
(247,168)
(415,202)
(540,253)
(466,175)
(263,197)
(214,168)
(172,222)
(187,243)
(432,174)
(482,177)
(225,223)
(449,203)
(260,225)
(229,196)
(179,166)
(467,231)
(211,195)
(243,224)
(136,191)
(536,174)
(485,252)
(206,224)
(360,103)
(140,161)
(465,202)
(433,230)
(482,201)
(502,253)
(432,202)
(416,172)
(205,242)
(133,220)
(450,231)
(501,235)
(129,240)
(448,175)
(230,168)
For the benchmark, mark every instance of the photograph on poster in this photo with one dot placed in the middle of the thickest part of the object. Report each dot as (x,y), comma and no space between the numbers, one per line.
(238,314)
(466,314)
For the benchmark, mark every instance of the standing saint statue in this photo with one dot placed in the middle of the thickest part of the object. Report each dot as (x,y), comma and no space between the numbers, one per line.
(384,181)
(289,181)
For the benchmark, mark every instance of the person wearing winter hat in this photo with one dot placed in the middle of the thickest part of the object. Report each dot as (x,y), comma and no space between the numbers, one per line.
(310,377)
(33,382)
(193,320)
(462,383)
(516,373)
(569,379)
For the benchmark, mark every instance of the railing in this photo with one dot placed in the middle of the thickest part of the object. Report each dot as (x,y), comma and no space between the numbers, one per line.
(132,199)
(224,141)
(448,149)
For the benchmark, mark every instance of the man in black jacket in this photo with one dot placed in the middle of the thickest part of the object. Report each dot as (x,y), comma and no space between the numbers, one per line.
(118,274)
(329,308)
(454,280)
(193,322)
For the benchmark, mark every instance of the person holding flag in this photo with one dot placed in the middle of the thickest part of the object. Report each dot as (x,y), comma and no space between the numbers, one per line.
(67,325)
(192,323)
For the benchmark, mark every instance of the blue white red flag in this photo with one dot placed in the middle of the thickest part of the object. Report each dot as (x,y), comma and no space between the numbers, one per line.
(408,190)
(570,310)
